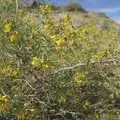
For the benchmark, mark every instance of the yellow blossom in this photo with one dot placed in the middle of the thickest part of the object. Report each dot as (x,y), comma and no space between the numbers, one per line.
(36,61)
(8,27)
(14,37)
(79,78)
(62,100)
(67,19)
(46,66)
(4,104)
(59,42)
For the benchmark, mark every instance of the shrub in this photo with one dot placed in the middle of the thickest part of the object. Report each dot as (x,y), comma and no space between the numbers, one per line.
(52,70)
(74,7)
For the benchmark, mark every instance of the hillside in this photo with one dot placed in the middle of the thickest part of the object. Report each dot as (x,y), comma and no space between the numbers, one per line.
(58,64)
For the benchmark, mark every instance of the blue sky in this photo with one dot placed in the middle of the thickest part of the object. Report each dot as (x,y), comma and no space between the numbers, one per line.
(110,7)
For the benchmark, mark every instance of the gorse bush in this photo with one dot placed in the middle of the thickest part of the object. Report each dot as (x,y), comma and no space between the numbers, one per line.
(54,70)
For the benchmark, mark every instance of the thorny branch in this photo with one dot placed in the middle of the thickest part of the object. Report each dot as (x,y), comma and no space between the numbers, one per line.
(106,62)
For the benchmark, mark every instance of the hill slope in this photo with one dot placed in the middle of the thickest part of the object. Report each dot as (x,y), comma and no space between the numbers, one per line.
(58,64)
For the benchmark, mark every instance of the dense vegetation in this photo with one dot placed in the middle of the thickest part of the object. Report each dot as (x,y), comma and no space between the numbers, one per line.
(52,69)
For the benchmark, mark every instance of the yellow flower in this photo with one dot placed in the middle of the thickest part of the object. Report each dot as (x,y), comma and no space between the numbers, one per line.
(4,104)
(46,66)
(14,37)
(59,42)
(8,27)
(62,100)
(36,61)
(4,98)
(67,19)
(79,78)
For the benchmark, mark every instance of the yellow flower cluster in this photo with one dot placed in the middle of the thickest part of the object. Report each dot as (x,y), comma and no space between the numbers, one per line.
(36,61)
(79,78)
(39,62)
(4,104)
(8,28)
(3,98)
(59,42)
(14,36)
(8,71)
(62,100)
(47,9)
(67,19)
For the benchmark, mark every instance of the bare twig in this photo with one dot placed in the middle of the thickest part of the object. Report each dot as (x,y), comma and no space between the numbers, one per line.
(106,62)
(29,85)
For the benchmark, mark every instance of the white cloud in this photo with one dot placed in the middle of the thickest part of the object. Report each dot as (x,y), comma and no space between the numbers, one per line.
(107,9)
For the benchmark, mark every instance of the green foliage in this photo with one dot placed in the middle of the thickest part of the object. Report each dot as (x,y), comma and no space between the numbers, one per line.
(49,68)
